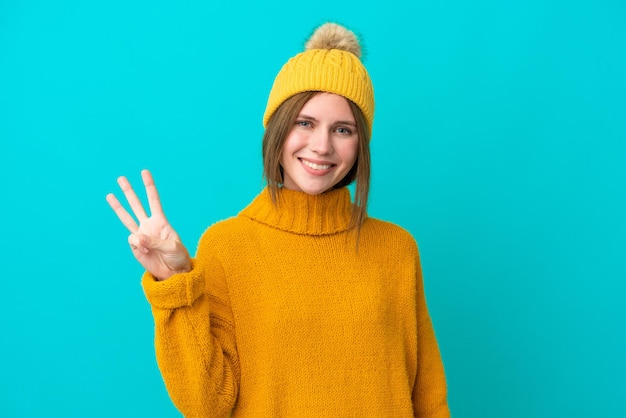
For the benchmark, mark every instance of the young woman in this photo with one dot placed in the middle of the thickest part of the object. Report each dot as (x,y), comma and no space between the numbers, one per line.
(300,306)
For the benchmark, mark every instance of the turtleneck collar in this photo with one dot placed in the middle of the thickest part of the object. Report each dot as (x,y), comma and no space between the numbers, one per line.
(301,213)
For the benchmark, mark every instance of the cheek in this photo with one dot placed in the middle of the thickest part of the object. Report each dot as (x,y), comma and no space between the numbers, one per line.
(291,145)
(285,151)
(349,152)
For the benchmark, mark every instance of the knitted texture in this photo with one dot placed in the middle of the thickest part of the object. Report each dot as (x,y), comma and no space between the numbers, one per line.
(282,316)
(328,70)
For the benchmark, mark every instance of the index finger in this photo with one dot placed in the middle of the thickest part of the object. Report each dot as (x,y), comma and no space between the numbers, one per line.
(154,202)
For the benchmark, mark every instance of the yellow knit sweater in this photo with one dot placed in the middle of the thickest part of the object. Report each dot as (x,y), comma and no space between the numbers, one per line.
(282,316)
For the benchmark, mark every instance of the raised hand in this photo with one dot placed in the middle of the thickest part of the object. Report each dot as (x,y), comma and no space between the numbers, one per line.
(153,241)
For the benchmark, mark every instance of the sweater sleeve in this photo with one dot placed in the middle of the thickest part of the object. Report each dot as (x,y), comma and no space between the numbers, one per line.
(195,338)
(429,390)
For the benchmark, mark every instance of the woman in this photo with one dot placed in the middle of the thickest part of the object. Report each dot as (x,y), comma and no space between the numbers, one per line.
(301,305)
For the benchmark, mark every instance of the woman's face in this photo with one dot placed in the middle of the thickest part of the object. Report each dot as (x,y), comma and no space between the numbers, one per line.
(321,147)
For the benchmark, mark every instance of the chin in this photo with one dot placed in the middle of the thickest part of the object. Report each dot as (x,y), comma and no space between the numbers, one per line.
(314,190)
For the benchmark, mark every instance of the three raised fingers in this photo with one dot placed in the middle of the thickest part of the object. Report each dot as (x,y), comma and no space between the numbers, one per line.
(134,202)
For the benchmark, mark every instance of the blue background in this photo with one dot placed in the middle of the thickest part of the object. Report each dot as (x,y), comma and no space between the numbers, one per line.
(499,142)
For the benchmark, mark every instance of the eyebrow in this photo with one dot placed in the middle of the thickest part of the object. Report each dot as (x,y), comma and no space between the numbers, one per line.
(339,122)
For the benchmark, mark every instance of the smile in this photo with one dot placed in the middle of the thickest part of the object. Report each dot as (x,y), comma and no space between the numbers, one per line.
(316,166)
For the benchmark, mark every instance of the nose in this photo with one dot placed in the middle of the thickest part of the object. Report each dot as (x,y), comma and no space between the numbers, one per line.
(321,142)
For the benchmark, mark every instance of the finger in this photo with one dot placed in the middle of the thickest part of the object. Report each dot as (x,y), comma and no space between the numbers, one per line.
(121,213)
(151,191)
(154,243)
(136,244)
(145,243)
(132,199)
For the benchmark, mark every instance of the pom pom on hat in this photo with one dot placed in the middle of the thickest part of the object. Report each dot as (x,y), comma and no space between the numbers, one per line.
(331,63)
(334,36)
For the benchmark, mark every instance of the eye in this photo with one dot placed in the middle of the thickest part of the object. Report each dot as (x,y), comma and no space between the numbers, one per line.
(303,123)
(343,130)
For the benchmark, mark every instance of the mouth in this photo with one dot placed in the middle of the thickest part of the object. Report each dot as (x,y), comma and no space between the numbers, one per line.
(315,166)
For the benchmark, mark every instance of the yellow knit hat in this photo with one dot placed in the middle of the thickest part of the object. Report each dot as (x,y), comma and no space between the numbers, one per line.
(331,63)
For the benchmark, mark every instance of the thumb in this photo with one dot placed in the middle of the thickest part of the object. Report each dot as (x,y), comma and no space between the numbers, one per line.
(144,243)
(148,242)
(138,243)
(154,243)
(173,253)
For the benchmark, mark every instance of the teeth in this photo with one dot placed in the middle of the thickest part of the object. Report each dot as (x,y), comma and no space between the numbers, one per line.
(316,166)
